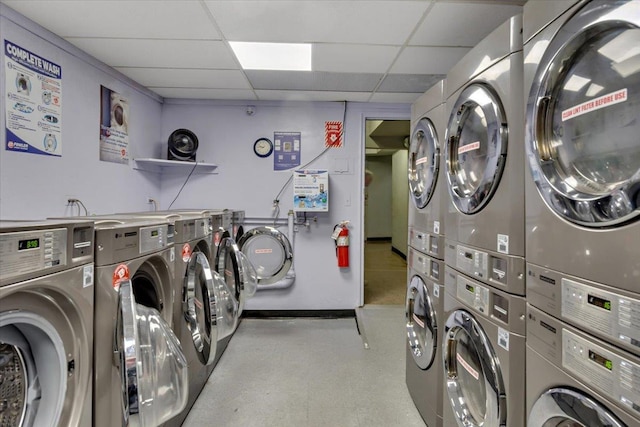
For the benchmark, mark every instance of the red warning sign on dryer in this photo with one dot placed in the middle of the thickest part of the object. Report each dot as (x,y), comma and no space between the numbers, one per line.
(120,274)
(595,104)
(186,252)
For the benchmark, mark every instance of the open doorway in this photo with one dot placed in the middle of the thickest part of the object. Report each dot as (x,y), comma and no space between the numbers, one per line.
(385,211)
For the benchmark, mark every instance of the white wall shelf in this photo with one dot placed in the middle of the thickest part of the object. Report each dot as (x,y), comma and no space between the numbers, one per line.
(173,166)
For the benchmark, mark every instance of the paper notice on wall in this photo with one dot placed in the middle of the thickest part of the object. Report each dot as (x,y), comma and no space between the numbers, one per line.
(33,104)
(114,127)
(286,150)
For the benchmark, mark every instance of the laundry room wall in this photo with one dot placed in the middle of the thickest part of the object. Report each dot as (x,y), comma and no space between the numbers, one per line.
(37,186)
(244,181)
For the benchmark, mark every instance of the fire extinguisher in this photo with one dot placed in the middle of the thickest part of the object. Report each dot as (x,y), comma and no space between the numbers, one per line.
(341,237)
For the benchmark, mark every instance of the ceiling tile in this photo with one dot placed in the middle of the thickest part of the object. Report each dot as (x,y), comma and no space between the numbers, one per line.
(192,93)
(400,98)
(127,19)
(313,81)
(370,22)
(409,83)
(428,60)
(350,58)
(158,53)
(293,95)
(174,77)
(461,24)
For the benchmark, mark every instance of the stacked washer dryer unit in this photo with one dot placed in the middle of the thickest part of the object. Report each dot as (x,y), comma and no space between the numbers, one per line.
(140,371)
(582,88)
(484,332)
(425,291)
(46,323)
(204,310)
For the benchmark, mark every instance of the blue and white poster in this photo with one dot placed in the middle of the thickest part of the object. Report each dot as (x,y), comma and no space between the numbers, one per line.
(33,86)
(286,150)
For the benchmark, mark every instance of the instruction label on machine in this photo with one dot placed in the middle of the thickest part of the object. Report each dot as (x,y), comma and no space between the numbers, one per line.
(311,191)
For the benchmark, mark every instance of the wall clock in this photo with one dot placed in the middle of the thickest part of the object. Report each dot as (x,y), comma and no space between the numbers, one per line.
(263,147)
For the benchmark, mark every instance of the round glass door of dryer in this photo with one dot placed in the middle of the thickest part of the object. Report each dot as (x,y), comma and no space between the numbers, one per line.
(269,251)
(476,147)
(472,373)
(153,369)
(568,407)
(422,329)
(200,306)
(582,117)
(423,162)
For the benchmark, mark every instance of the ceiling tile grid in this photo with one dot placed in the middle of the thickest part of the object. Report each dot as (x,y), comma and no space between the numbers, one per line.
(363,50)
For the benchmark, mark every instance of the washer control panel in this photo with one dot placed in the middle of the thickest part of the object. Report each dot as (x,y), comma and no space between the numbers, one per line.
(473,262)
(153,238)
(614,375)
(613,315)
(473,294)
(30,251)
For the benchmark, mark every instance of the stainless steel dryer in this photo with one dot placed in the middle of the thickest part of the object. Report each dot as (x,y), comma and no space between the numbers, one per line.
(424,313)
(46,323)
(582,79)
(483,350)
(485,161)
(146,381)
(574,379)
(426,168)
(237,219)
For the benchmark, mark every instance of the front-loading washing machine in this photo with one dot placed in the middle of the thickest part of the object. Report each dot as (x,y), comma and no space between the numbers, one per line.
(483,351)
(46,323)
(140,371)
(485,161)
(575,379)
(582,80)
(204,311)
(424,312)
(237,219)
(426,171)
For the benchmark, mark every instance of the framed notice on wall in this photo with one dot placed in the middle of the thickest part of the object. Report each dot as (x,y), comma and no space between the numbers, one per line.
(286,150)
(114,126)
(33,102)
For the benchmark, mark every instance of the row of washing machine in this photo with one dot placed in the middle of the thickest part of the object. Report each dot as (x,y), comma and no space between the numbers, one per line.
(119,319)
(523,298)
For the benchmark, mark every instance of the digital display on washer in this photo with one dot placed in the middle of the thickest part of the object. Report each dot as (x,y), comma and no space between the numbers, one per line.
(599,302)
(601,360)
(154,233)
(468,255)
(470,288)
(28,244)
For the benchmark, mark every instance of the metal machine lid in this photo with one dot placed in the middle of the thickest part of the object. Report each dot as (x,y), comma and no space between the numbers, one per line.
(582,117)
(424,162)
(269,251)
(472,372)
(422,327)
(200,307)
(564,406)
(476,147)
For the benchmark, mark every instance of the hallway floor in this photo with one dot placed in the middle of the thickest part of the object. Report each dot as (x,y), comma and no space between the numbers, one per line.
(385,274)
(311,373)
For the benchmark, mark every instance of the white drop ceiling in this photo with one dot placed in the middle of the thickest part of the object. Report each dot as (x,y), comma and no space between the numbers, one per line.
(366,51)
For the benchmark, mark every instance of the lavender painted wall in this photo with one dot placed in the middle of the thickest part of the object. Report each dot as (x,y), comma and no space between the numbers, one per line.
(35,186)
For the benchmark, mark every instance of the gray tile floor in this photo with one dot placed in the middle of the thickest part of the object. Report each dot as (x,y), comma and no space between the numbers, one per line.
(311,372)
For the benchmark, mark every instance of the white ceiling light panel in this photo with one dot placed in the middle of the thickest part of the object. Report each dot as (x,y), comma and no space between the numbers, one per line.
(273,56)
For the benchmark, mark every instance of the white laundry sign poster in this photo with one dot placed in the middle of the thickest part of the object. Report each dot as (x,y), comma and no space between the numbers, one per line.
(33,106)
(114,127)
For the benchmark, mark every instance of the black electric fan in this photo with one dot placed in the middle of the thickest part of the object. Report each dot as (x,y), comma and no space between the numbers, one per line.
(183,145)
